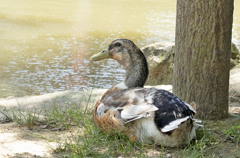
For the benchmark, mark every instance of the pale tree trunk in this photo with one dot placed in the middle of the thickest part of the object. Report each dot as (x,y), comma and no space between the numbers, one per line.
(202,57)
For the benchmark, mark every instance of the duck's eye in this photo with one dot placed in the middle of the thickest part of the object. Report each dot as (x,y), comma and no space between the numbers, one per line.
(117,44)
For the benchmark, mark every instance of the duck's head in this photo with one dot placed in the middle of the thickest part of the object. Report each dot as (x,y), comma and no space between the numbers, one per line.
(121,50)
(126,53)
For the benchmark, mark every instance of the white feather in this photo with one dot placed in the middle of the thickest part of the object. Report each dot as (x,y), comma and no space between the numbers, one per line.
(193,133)
(190,107)
(174,124)
(121,85)
(100,110)
(134,112)
(150,94)
(197,123)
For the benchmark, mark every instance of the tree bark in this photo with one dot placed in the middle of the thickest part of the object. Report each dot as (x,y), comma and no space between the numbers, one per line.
(202,55)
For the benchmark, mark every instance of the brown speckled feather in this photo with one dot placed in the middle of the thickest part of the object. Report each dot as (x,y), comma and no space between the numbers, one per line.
(111,90)
(110,120)
(116,109)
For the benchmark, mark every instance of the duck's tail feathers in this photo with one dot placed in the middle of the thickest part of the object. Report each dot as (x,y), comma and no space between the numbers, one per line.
(197,123)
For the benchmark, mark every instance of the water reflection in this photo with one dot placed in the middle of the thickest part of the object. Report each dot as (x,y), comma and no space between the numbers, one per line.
(63,65)
(45,45)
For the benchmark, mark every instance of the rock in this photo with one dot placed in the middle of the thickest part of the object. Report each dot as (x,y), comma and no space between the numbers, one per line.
(234,82)
(41,103)
(160,61)
(235,56)
(234,90)
(160,57)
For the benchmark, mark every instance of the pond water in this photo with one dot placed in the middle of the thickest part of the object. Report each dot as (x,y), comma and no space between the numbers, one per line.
(45,45)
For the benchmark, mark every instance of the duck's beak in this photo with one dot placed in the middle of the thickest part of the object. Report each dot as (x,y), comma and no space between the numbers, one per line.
(101,55)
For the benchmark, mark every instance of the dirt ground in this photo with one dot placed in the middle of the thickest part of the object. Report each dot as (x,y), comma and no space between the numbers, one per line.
(17,141)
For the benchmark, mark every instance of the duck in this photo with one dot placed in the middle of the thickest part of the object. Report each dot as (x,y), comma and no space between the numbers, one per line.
(144,115)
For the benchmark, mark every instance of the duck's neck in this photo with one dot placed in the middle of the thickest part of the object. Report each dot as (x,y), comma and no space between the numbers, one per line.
(136,72)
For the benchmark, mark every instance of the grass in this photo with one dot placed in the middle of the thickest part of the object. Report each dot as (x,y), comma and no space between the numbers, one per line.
(216,139)
(233,133)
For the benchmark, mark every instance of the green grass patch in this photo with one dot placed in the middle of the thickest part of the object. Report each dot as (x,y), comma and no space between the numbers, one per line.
(91,142)
(28,119)
(233,133)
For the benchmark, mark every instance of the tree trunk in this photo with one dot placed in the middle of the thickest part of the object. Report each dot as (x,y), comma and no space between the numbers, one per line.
(202,57)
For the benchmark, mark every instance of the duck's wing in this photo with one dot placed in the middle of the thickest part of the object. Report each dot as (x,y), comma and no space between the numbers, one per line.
(131,103)
(172,111)
(167,109)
